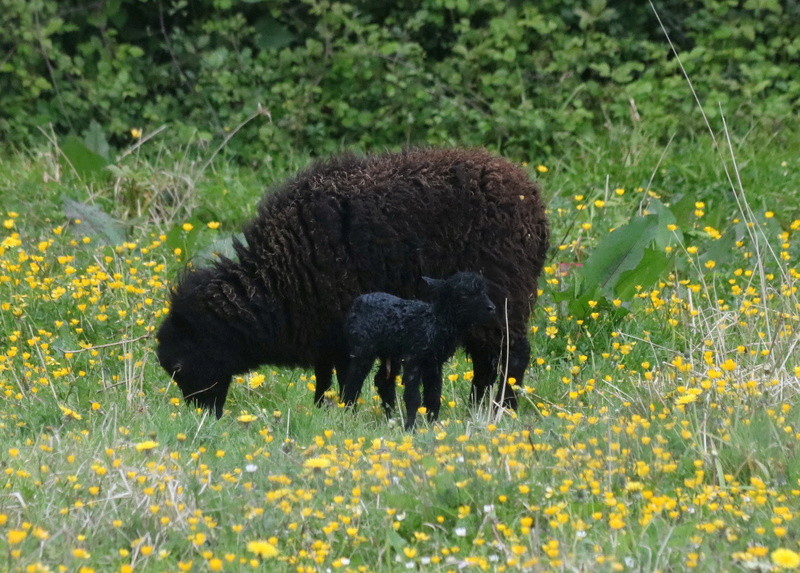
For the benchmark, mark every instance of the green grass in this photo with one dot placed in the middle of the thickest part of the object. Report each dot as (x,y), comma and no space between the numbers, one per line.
(662,438)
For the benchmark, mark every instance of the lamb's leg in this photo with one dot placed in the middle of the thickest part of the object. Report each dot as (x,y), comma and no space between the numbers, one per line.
(411,396)
(357,370)
(432,391)
(385,383)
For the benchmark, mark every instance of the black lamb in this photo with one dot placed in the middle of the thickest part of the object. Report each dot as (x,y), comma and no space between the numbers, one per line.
(420,334)
(348,226)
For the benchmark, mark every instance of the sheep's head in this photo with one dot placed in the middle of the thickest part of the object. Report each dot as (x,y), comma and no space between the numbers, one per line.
(466,294)
(195,347)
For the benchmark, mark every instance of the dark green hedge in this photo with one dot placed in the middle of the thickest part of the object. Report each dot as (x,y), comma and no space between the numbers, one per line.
(521,76)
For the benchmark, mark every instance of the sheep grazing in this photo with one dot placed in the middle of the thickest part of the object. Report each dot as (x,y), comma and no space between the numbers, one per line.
(422,335)
(353,225)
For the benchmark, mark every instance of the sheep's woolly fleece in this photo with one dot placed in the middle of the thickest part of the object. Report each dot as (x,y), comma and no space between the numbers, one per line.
(351,225)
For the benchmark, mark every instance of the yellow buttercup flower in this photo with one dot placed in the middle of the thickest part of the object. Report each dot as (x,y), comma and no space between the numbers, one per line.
(786,558)
(146,446)
(262,548)
(317,463)
(16,536)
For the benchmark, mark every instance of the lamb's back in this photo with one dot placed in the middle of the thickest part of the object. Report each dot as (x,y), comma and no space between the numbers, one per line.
(381,324)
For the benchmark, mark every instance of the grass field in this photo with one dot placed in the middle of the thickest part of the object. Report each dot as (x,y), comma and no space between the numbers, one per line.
(658,427)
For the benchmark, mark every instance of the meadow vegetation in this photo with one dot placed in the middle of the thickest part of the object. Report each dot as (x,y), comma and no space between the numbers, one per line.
(659,423)
(658,426)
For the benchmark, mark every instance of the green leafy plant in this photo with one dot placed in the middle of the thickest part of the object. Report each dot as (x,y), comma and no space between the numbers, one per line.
(628,259)
(526,78)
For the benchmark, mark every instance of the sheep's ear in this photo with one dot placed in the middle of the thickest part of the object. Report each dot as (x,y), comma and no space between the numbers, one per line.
(433,283)
(430,287)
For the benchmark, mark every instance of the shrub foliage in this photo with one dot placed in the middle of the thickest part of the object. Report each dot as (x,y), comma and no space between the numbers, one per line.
(520,76)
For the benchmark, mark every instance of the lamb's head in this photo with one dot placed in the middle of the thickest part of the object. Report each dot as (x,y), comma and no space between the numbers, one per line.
(466,296)
(197,348)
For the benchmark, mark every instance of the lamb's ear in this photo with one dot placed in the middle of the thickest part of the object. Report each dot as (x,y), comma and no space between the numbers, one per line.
(429,288)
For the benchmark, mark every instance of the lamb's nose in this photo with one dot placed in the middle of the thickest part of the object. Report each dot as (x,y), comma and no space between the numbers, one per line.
(491,308)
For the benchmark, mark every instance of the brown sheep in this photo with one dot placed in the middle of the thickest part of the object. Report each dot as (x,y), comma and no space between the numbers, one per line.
(352,225)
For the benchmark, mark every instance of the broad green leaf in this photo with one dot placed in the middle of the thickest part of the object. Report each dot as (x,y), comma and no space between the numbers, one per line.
(86,162)
(663,236)
(721,250)
(271,34)
(95,141)
(579,307)
(562,295)
(653,264)
(620,251)
(179,238)
(95,222)
(222,246)
(683,210)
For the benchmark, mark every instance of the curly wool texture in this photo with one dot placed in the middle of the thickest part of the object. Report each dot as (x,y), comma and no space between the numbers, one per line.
(352,225)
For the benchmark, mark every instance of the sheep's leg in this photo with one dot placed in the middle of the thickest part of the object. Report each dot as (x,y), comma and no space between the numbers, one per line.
(323,373)
(432,391)
(411,395)
(342,364)
(219,404)
(357,371)
(385,383)
(519,355)
(484,366)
